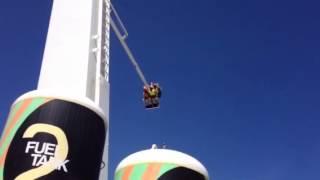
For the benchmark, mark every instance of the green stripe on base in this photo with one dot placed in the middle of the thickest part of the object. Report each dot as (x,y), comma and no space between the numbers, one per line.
(33,106)
(138,171)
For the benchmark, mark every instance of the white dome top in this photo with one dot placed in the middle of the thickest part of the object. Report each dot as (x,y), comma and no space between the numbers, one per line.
(164,156)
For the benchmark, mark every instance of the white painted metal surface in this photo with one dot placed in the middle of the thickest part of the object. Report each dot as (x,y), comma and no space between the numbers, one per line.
(76,50)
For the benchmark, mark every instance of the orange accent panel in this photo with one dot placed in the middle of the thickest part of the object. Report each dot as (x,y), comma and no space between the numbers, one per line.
(152,171)
(16,117)
(2,158)
(127,172)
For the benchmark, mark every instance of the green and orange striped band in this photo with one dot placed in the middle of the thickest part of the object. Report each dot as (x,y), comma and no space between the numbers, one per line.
(18,114)
(143,171)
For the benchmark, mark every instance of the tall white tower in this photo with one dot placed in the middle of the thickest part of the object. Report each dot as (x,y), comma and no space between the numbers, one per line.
(60,130)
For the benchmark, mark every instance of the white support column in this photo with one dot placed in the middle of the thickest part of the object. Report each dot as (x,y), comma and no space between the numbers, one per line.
(77,52)
(76,57)
(66,57)
(105,62)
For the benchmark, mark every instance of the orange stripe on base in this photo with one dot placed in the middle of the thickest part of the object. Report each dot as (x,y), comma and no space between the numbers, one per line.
(152,171)
(18,114)
(127,172)
(2,158)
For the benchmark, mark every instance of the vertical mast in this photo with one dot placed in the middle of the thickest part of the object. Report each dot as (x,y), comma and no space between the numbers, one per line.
(67,117)
(76,56)
(104,71)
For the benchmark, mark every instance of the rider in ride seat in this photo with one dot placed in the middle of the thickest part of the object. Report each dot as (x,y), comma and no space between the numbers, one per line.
(146,97)
(151,95)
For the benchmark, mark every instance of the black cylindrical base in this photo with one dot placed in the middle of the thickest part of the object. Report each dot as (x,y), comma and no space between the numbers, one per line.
(51,139)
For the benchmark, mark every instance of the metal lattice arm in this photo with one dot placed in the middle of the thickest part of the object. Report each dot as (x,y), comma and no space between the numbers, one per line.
(122,39)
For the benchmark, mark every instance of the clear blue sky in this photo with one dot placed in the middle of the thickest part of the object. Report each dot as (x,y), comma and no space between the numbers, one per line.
(240,81)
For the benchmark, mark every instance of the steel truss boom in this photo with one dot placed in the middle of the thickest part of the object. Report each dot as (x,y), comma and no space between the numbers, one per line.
(122,39)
